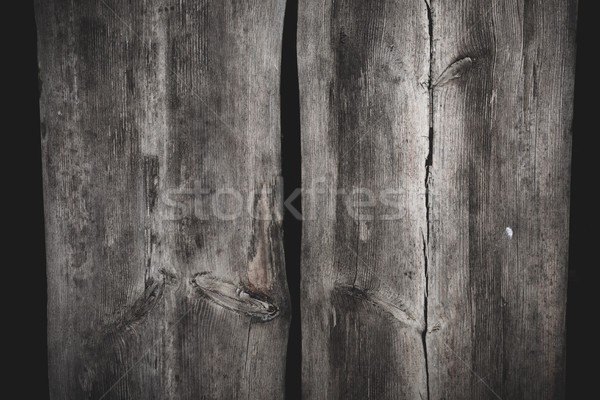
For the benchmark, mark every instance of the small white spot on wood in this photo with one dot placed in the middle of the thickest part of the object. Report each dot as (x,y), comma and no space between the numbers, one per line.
(59,113)
(508,232)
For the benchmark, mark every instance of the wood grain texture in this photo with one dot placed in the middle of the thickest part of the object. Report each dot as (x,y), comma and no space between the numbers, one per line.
(500,198)
(149,109)
(483,163)
(363,72)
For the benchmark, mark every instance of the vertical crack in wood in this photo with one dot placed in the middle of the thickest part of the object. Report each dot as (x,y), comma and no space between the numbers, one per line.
(357,259)
(246,371)
(428,166)
(151,175)
(424,333)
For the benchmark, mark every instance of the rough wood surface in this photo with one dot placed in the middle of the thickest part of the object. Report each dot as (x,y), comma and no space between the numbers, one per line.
(363,71)
(148,109)
(499,191)
(466,108)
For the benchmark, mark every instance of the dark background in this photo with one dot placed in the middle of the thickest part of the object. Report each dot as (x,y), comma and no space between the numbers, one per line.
(24,332)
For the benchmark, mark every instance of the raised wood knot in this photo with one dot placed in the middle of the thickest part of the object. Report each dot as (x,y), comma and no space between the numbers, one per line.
(394,308)
(454,70)
(234,297)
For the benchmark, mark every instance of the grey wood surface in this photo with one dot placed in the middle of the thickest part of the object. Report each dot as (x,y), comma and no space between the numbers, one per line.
(363,73)
(149,110)
(435,171)
(465,108)
(500,198)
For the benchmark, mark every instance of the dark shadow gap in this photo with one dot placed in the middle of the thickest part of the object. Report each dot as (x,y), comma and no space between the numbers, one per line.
(581,231)
(26,238)
(39,256)
(291,172)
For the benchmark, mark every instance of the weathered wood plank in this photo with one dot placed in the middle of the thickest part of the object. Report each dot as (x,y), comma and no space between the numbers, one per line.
(363,71)
(494,220)
(499,198)
(151,111)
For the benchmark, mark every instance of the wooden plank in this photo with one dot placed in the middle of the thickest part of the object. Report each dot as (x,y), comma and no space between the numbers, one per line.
(499,198)
(363,72)
(153,114)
